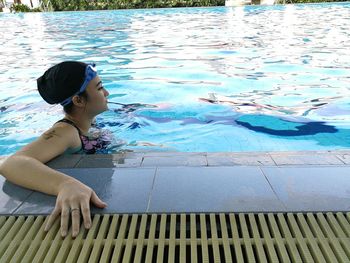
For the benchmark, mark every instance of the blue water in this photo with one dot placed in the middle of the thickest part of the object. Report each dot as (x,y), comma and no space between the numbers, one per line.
(250,78)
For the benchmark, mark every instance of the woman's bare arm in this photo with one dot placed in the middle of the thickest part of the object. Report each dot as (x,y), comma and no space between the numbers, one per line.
(27,168)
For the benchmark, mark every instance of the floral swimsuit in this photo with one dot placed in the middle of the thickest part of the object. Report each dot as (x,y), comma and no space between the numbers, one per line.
(97,142)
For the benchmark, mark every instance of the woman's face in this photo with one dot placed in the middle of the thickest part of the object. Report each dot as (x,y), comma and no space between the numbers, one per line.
(97,96)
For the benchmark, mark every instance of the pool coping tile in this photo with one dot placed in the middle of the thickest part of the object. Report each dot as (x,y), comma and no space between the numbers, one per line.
(110,184)
(253,159)
(300,193)
(305,159)
(110,161)
(137,161)
(12,196)
(154,159)
(177,160)
(65,161)
(344,157)
(201,189)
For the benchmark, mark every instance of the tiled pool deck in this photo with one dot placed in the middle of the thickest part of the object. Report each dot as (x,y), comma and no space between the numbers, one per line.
(164,182)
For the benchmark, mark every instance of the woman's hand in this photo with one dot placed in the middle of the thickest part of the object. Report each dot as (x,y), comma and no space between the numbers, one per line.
(73,199)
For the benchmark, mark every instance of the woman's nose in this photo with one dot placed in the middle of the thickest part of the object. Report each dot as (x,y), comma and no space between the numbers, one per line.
(106,92)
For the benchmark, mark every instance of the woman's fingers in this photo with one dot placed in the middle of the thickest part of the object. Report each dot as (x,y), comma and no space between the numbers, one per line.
(73,201)
(52,218)
(64,220)
(75,213)
(97,201)
(85,209)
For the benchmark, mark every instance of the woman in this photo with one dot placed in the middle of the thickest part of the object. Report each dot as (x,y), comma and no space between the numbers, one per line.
(78,88)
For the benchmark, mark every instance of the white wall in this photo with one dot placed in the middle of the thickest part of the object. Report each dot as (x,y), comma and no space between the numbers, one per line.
(36,3)
(27,2)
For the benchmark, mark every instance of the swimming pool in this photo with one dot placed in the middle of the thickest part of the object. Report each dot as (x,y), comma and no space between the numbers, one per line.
(253,78)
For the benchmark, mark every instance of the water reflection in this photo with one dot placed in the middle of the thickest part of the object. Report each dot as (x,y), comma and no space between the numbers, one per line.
(187,75)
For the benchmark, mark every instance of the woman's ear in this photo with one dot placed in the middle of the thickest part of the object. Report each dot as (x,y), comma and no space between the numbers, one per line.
(78,101)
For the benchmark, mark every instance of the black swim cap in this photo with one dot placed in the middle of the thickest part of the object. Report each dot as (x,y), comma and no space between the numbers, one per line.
(61,81)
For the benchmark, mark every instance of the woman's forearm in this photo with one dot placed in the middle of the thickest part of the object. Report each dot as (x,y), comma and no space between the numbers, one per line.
(30,173)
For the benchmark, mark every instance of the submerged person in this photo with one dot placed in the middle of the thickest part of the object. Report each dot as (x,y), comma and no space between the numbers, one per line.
(78,88)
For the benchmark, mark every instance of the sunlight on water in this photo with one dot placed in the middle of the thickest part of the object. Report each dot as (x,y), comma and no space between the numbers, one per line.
(253,78)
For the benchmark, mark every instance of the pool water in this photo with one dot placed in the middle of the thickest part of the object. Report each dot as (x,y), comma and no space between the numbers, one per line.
(253,78)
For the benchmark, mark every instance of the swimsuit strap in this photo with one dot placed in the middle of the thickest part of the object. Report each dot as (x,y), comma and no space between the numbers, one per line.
(88,145)
(71,123)
(75,126)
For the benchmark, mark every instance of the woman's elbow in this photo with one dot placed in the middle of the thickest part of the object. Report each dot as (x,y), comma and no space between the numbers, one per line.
(10,163)
(4,166)
(1,167)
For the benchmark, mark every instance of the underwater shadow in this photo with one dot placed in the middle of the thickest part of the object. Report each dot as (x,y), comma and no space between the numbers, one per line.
(308,128)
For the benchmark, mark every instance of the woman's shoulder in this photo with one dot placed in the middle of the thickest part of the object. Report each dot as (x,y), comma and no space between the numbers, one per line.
(53,142)
(63,131)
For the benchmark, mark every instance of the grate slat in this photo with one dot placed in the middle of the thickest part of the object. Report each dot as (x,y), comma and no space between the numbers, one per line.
(2,222)
(140,240)
(161,240)
(300,242)
(130,240)
(193,238)
(171,247)
(247,244)
(280,242)
(225,239)
(204,239)
(214,238)
(65,248)
(334,224)
(314,225)
(345,225)
(87,245)
(322,221)
(334,246)
(107,249)
(73,246)
(346,246)
(323,243)
(28,238)
(339,251)
(271,252)
(292,249)
(45,245)
(236,239)
(281,237)
(54,247)
(257,239)
(6,228)
(117,255)
(12,228)
(98,244)
(15,242)
(151,239)
(314,248)
(35,244)
(183,229)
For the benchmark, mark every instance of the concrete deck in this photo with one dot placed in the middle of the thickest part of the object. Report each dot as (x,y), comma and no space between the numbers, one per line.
(159,182)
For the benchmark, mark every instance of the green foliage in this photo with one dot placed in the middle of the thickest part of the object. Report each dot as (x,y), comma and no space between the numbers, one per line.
(73,5)
(35,9)
(23,8)
(20,8)
(313,1)
(81,5)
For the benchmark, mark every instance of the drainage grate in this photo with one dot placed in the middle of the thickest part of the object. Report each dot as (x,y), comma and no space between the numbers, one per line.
(226,237)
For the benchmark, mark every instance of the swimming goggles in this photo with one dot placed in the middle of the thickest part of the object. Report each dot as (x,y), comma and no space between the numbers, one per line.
(90,74)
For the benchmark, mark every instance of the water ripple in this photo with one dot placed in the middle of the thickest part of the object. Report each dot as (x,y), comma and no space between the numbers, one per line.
(191,64)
